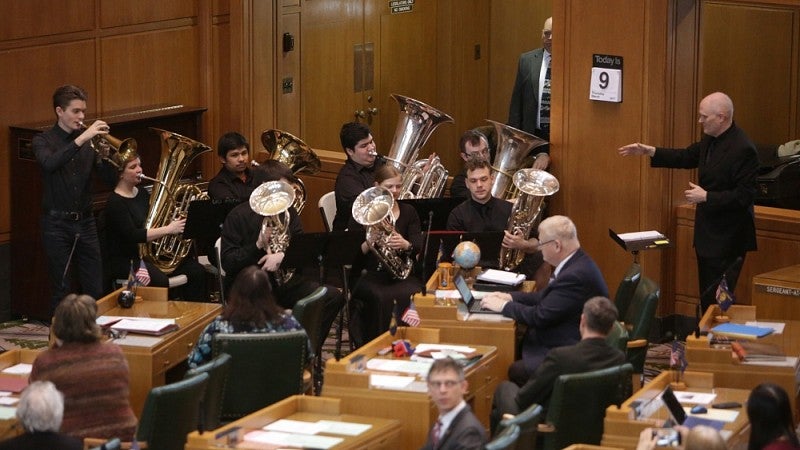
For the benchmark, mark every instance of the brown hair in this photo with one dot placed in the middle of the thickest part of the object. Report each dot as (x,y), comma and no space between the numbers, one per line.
(385,172)
(75,319)
(251,301)
(65,94)
(475,164)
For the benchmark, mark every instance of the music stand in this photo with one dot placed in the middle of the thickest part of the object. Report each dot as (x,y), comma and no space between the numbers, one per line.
(440,207)
(488,241)
(204,220)
(640,240)
(337,249)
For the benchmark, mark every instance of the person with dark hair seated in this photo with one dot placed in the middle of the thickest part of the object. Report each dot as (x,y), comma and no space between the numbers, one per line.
(93,375)
(358,171)
(40,411)
(234,181)
(251,308)
(772,424)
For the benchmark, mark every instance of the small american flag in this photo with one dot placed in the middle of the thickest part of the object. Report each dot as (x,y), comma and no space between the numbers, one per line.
(410,316)
(142,275)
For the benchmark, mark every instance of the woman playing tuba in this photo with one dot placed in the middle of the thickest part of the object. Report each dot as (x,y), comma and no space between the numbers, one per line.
(387,277)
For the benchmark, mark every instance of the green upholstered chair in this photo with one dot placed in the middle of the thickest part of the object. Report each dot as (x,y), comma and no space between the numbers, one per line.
(505,439)
(638,320)
(578,405)
(171,412)
(528,422)
(627,287)
(211,407)
(267,367)
(308,311)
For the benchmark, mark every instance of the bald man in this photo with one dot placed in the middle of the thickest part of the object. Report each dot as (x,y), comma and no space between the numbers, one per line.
(727,165)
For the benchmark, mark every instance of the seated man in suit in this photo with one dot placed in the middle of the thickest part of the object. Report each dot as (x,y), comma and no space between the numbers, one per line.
(552,314)
(457,427)
(591,353)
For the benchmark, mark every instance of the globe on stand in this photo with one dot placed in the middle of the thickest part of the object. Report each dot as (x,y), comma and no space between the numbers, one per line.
(466,255)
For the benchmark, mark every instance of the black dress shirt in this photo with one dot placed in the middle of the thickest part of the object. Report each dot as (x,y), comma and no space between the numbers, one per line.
(67,170)
(475,217)
(226,186)
(352,180)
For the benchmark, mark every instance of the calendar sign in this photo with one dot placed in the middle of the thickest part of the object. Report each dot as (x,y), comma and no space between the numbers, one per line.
(606,82)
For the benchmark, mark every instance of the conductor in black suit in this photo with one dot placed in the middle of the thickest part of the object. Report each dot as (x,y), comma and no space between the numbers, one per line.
(727,166)
(530,100)
(591,353)
(456,427)
(552,314)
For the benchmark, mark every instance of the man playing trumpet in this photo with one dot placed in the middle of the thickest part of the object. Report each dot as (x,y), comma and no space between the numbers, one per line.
(66,156)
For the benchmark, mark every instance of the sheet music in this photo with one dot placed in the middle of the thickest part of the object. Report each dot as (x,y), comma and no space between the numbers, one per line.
(19,369)
(641,236)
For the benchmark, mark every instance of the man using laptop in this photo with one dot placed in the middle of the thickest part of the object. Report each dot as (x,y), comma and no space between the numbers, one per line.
(552,314)
(591,353)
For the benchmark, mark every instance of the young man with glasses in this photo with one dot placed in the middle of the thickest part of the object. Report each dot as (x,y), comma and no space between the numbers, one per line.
(456,427)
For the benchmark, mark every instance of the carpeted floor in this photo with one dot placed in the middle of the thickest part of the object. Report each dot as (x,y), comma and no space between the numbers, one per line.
(23,334)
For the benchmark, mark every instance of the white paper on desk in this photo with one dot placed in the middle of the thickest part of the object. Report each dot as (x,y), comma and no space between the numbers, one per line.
(19,369)
(641,236)
(723,415)
(8,401)
(695,398)
(7,412)
(294,426)
(447,293)
(389,381)
(5,393)
(294,440)
(138,341)
(402,366)
(104,321)
(502,277)
(777,327)
(144,325)
(345,428)
(439,347)
(790,361)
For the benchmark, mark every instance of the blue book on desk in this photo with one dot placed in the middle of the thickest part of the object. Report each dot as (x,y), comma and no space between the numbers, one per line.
(736,330)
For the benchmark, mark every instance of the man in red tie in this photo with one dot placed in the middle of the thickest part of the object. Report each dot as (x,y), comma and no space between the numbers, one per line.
(457,427)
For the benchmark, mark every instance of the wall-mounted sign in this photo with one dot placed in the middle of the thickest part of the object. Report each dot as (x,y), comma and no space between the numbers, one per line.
(401,6)
(606,83)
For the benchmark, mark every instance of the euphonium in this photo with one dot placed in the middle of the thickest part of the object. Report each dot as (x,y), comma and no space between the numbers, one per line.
(373,209)
(422,182)
(170,199)
(273,200)
(513,146)
(534,185)
(293,152)
(416,124)
(117,146)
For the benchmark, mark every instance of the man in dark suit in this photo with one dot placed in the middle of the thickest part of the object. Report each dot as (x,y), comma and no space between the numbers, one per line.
(530,100)
(591,353)
(552,314)
(727,166)
(457,427)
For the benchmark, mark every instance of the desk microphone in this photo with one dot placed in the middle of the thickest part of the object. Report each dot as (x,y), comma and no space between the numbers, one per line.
(425,254)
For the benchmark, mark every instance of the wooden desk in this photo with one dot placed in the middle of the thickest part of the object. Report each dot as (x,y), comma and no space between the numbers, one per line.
(8,427)
(777,294)
(702,355)
(414,409)
(622,429)
(384,434)
(150,357)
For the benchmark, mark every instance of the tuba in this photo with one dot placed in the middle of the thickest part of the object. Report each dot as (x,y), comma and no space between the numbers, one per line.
(170,199)
(513,148)
(534,185)
(273,200)
(416,124)
(118,146)
(373,209)
(298,156)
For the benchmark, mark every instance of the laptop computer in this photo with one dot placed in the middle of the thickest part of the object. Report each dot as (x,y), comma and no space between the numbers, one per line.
(471,298)
(679,415)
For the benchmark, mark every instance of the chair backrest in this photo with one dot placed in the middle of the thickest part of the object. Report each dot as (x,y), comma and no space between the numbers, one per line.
(308,311)
(627,287)
(618,336)
(218,250)
(171,412)
(327,209)
(528,422)
(217,370)
(505,439)
(111,444)
(639,319)
(267,367)
(578,405)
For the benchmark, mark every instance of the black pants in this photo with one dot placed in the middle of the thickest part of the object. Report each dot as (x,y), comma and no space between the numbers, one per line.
(374,295)
(298,287)
(195,289)
(60,237)
(710,272)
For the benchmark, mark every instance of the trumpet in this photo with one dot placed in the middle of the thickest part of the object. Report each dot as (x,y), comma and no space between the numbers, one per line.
(116,146)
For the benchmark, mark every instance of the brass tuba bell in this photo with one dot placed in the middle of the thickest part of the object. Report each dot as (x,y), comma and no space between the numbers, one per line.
(273,200)
(513,148)
(297,155)
(373,209)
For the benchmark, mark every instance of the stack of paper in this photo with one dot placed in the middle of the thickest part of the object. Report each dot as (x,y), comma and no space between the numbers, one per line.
(502,277)
(155,327)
